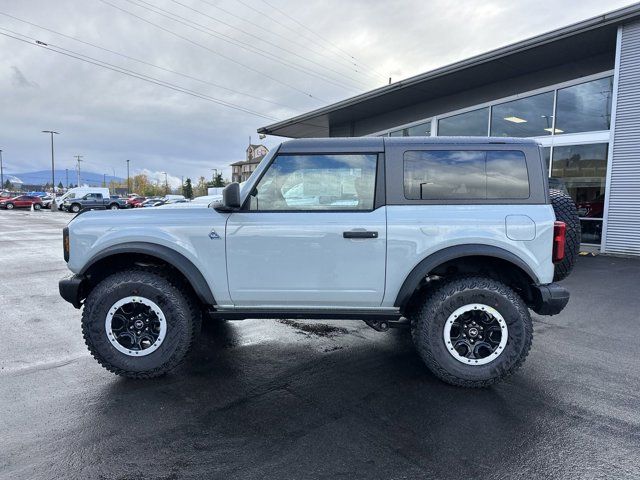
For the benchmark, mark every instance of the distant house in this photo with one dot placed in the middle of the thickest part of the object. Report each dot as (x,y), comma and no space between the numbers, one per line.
(241,170)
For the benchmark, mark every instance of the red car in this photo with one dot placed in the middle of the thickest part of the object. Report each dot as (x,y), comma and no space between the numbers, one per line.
(135,202)
(21,201)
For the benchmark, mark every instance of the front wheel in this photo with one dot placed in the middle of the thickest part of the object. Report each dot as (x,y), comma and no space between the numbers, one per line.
(114,206)
(472,331)
(37,206)
(75,208)
(10,206)
(139,324)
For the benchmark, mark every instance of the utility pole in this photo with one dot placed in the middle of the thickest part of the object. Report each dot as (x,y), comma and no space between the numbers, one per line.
(66,172)
(104,179)
(128,180)
(214,174)
(79,159)
(166,184)
(54,205)
(1,172)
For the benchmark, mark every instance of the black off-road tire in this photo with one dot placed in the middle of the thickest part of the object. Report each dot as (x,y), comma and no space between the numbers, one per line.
(428,322)
(566,212)
(182,313)
(114,206)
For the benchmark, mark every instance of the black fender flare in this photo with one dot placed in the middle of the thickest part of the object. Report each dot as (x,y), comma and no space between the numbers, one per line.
(436,259)
(172,257)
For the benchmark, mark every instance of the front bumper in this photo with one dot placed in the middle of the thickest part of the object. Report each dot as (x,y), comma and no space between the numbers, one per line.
(549,299)
(71,289)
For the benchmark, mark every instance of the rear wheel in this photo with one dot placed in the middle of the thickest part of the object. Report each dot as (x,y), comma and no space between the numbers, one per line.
(472,331)
(566,212)
(139,324)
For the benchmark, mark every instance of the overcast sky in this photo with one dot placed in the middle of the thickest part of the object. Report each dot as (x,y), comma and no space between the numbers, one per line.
(252,54)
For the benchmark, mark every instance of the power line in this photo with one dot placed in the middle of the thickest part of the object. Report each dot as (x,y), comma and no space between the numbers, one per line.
(259,38)
(262,74)
(221,36)
(347,56)
(282,12)
(346,62)
(131,73)
(255,97)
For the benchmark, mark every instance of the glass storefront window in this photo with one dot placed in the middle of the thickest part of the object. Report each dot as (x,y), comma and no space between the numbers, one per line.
(585,107)
(525,117)
(474,123)
(420,130)
(582,170)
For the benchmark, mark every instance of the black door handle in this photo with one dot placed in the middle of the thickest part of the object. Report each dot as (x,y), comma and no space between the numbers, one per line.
(359,234)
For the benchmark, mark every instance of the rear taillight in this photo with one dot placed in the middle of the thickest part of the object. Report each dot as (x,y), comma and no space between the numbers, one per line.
(65,243)
(559,237)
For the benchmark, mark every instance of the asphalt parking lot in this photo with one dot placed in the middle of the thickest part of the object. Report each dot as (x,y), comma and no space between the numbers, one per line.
(271,399)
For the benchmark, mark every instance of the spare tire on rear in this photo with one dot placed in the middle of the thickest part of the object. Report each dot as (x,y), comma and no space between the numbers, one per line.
(566,212)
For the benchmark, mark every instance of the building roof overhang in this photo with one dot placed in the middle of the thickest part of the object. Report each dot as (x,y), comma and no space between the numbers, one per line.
(588,38)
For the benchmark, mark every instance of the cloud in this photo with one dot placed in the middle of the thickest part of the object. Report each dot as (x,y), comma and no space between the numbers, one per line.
(158,177)
(110,117)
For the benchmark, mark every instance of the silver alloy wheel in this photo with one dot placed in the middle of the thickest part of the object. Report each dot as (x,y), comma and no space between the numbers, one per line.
(114,207)
(75,208)
(135,326)
(9,206)
(475,334)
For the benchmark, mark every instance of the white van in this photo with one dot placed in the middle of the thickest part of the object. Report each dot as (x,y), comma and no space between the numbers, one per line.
(79,192)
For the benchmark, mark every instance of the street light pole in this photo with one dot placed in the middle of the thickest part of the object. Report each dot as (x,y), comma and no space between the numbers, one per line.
(54,206)
(128,180)
(1,172)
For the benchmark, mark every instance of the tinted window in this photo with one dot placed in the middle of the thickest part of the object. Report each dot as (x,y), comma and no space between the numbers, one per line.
(465,175)
(317,182)
(507,175)
(475,123)
(585,107)
(525,117)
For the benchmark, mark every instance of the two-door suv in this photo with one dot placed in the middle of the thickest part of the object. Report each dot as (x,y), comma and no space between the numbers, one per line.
(457,237)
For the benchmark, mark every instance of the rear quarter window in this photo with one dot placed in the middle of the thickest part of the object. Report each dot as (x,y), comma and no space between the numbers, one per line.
(465,175)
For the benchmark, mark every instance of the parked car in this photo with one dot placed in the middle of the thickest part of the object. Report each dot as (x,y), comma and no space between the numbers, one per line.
(459,236)
(21,201)
(134,202)
(92,201)
(152,202)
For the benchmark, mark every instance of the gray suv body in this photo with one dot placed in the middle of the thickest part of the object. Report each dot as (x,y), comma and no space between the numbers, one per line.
(455,237)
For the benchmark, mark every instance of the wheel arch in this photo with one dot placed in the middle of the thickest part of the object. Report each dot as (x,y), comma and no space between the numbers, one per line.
(132,252)
(478,251)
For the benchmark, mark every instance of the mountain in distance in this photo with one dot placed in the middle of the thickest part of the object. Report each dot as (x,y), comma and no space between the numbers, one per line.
(44,176)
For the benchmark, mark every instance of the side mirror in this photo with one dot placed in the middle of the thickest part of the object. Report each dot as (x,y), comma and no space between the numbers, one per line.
(230,197)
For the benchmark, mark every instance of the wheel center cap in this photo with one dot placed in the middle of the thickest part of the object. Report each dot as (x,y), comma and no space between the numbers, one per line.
(138,324)
(473,332)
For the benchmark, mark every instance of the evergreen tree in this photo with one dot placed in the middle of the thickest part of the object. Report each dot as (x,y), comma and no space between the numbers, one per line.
(218,181)
(7,184)
(187,189)
(60,186)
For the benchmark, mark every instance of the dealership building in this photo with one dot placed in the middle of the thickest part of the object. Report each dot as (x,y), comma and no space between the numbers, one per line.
(576,90)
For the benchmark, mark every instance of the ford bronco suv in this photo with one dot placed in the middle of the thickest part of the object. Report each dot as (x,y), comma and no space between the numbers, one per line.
(457,238)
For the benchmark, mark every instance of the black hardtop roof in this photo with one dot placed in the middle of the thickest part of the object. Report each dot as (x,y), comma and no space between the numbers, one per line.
(375,144)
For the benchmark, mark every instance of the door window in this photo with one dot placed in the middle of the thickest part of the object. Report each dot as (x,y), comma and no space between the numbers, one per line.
(317,182)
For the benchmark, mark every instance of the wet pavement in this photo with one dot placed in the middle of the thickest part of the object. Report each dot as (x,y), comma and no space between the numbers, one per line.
(272,399)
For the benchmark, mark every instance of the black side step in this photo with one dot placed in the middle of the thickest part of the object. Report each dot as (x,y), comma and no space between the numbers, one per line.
(302,314)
